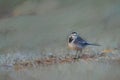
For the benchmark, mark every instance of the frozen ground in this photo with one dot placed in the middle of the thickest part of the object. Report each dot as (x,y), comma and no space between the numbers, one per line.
(32,29)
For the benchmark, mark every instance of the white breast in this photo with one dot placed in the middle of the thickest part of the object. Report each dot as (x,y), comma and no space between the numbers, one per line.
(72,46)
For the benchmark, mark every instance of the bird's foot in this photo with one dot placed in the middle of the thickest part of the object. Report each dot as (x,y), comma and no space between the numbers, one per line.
(77,57)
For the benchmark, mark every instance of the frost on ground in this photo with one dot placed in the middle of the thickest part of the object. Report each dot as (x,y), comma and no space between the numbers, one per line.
(35,67)
(20,61)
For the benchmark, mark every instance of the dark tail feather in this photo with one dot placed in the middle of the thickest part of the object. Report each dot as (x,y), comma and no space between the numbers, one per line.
(94,44)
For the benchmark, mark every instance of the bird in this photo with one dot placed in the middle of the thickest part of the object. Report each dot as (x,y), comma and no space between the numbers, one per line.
(76,42)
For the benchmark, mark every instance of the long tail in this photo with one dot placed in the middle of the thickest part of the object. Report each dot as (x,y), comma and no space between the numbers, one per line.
(94,44)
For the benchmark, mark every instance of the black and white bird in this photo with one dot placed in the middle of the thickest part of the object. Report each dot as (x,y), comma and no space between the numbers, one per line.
(75,42)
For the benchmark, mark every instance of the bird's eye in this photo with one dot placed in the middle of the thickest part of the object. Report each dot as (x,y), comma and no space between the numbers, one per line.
(70,39)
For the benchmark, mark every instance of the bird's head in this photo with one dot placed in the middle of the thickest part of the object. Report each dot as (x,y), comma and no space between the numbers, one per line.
(73,36)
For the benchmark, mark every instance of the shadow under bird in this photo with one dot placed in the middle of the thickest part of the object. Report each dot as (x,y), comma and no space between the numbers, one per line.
(75,42)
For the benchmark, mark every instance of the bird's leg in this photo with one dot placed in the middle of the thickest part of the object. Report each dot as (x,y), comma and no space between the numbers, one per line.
(76,56)
(80,54)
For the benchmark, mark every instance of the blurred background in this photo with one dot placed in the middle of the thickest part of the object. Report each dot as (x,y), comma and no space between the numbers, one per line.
(41,27)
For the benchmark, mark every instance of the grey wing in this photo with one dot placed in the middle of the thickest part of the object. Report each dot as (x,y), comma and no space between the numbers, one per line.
(81,43)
